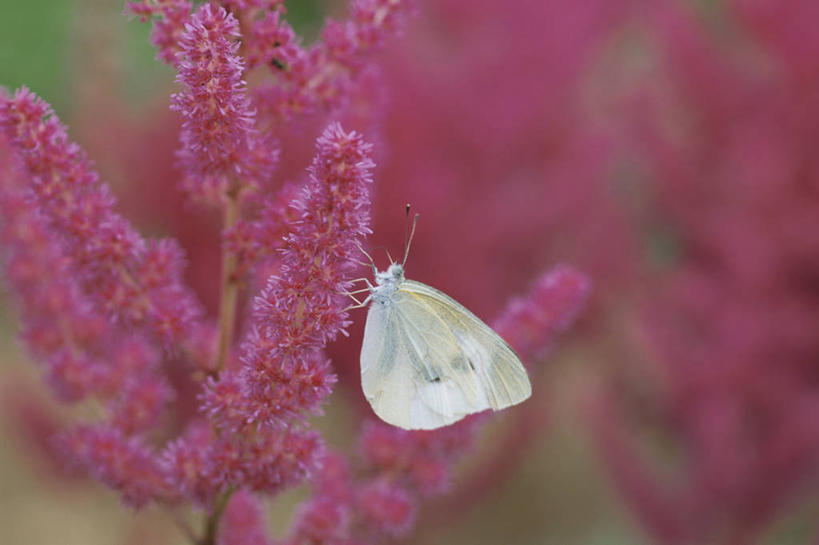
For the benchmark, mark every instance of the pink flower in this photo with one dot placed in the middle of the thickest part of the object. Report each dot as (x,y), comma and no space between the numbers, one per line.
(275,459)
(170,17)
(222,152)
(387,508)
(124,464)
(283,371)
(139,403)
(320,77)
(273,41)
(202,465)
(529,323)
(199,466)
(255,242)
(115,266)
(243,522)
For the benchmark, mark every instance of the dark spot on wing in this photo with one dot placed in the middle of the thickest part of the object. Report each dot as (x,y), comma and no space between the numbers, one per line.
(471,365)
(436,379)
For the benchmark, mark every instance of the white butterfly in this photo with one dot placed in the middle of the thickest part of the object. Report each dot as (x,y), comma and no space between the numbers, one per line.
(426,361)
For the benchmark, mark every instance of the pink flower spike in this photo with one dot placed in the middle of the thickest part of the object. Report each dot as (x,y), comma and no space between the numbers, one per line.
(243,522)
(277,459)
(321,77)
(302,308)
(190,466)
(84,354)
(114,263)
(124,464)
(139,404)
(170,17)
(387,508)
(531,323)
(221,150)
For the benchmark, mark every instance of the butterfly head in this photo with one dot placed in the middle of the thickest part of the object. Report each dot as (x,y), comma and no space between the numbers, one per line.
(394,275)
(387,282)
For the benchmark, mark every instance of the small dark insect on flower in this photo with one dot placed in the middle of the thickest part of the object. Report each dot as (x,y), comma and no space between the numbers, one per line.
(278,64)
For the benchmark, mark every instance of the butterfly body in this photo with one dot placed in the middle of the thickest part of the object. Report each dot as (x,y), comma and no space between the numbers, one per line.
(426,361)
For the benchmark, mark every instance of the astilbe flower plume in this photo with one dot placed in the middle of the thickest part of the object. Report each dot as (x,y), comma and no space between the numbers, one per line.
(135,280)
(283,372)
(321,77)
(170,17)
(221,149)
(244,522)
(84,355)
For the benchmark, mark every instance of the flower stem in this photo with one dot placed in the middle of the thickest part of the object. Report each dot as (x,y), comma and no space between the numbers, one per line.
(212,523)
(229,286)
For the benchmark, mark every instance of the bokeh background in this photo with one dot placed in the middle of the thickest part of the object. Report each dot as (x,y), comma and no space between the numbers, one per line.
(666,148)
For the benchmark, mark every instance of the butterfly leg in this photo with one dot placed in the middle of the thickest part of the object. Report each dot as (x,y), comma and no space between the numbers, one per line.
(362,290)
(359,304)
(365,280)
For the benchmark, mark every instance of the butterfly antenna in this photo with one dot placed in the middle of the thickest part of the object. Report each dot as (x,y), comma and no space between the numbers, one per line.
(410,233)
(363,251)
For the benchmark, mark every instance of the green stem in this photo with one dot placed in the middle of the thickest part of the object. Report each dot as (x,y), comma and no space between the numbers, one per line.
(212,522)
(229,289)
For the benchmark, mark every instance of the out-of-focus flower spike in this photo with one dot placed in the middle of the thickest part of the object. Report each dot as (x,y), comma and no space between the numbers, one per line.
(386,508)
(319,78)
(243,522)
(83,353)
(138,282)
(125,464)
(664,511)
(170,17)
(529,324)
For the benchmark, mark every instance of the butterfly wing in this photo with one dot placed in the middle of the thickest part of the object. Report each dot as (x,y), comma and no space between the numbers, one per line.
(499,370)
(426,361)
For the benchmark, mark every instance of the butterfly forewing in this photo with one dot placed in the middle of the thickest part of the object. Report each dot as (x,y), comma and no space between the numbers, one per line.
(426,361)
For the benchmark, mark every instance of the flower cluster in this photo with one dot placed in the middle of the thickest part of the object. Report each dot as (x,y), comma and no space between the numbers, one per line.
(283,372)
(86,353)
(222,152)
(320,77)
(243,522)
(133,280)
(170,17)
